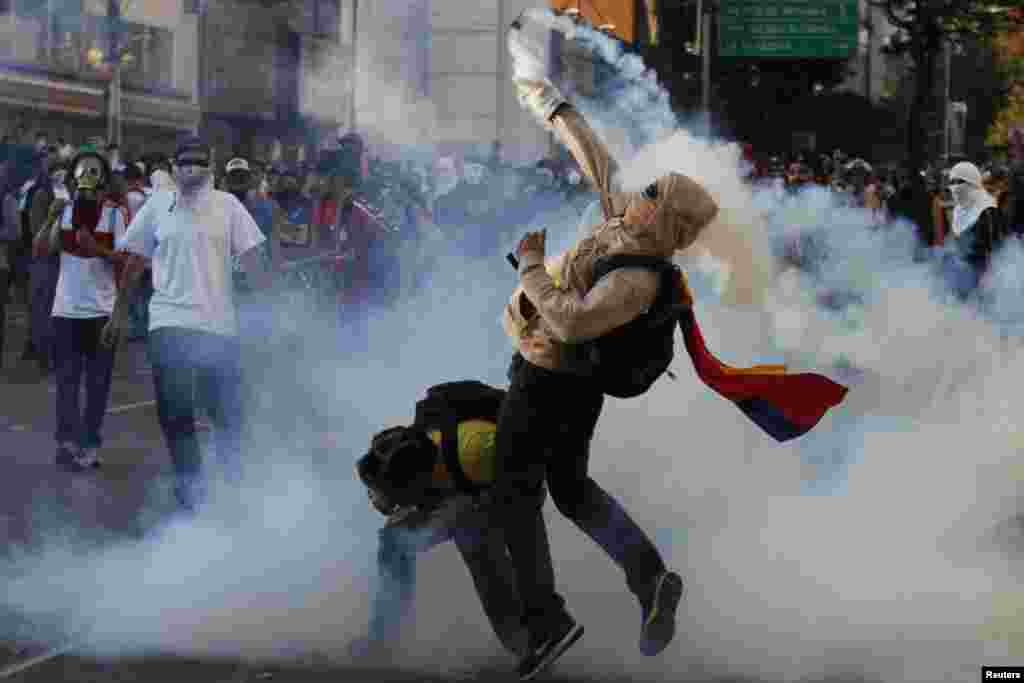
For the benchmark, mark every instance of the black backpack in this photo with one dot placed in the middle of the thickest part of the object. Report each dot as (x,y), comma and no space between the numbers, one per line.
(448,404)
(629,359)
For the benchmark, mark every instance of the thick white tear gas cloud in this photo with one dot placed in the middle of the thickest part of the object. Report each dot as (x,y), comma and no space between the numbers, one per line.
(871,547)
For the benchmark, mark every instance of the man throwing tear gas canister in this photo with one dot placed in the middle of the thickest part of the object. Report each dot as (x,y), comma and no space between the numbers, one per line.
(548,419)
(600,319)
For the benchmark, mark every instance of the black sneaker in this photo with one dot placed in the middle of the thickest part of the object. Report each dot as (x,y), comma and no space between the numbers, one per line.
(67,457)
(542,655)
(659,615)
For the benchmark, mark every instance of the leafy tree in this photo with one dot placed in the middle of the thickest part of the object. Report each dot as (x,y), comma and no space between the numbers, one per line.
(1009,48)
(924,27)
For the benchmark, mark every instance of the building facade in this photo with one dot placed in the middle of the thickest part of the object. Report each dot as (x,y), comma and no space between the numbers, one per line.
(56,70)
(276,77)
(435,74)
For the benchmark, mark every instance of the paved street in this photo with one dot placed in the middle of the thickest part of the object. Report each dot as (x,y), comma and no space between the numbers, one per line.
(124,500)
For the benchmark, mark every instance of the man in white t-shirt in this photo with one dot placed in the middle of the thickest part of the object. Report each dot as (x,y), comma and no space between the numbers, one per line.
(191,236)
(84,233)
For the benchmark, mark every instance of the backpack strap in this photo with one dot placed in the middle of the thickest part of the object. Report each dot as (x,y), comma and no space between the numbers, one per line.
(665,306)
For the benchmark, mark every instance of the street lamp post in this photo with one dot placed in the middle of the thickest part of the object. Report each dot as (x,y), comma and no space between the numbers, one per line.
(946,100)
(706,8)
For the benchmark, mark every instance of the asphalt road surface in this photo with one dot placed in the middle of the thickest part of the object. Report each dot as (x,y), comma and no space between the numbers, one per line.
(118,500)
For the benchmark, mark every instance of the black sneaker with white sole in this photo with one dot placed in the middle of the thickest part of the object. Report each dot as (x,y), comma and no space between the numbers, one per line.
(543,654)
(659,613)
(67,457)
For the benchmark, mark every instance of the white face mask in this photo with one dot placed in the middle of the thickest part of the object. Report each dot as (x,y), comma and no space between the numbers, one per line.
(191,177)
(961,193)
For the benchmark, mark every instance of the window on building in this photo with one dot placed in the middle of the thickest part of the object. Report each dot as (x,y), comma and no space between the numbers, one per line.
(147,61)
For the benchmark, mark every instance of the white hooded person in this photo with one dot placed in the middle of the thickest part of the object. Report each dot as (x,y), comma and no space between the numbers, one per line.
(978,226)
(553,403)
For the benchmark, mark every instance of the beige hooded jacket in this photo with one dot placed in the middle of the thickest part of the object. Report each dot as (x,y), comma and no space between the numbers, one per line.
(559,304)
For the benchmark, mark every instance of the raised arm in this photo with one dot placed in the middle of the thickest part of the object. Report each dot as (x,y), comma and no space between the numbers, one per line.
(546,103)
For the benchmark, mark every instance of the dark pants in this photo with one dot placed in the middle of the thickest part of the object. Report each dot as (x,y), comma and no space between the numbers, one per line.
(482,547)
(44,273)
(80,354)
(544,431)
(190,365)
(138,309)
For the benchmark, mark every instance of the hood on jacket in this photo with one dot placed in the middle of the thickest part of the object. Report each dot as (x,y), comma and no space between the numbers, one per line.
(684,210)
(970,199)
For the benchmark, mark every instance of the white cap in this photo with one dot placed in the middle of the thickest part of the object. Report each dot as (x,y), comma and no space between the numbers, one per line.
(237,164)
(967,172)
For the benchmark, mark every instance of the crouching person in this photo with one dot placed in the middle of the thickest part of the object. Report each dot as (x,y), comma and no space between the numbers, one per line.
(431,480)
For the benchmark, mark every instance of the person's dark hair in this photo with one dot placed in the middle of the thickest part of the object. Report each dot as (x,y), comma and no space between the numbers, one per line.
(398,463)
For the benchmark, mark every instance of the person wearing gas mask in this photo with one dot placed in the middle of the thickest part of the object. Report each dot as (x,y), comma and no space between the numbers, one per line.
(191,236)
(83,231)
(431,480)
(978,227)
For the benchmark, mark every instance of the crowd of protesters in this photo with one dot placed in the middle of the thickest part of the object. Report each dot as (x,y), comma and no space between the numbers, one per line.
(362,232)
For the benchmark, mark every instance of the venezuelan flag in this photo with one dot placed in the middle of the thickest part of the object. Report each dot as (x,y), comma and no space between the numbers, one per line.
(784,405)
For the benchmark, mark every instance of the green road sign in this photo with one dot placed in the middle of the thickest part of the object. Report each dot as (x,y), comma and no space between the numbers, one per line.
(825,29)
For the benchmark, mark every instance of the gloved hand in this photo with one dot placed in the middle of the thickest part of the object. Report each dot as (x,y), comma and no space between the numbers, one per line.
(540,97)
(535,92)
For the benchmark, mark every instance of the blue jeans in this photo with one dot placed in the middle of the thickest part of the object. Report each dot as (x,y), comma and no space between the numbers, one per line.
(80,353)
(189,367)
(481,544)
